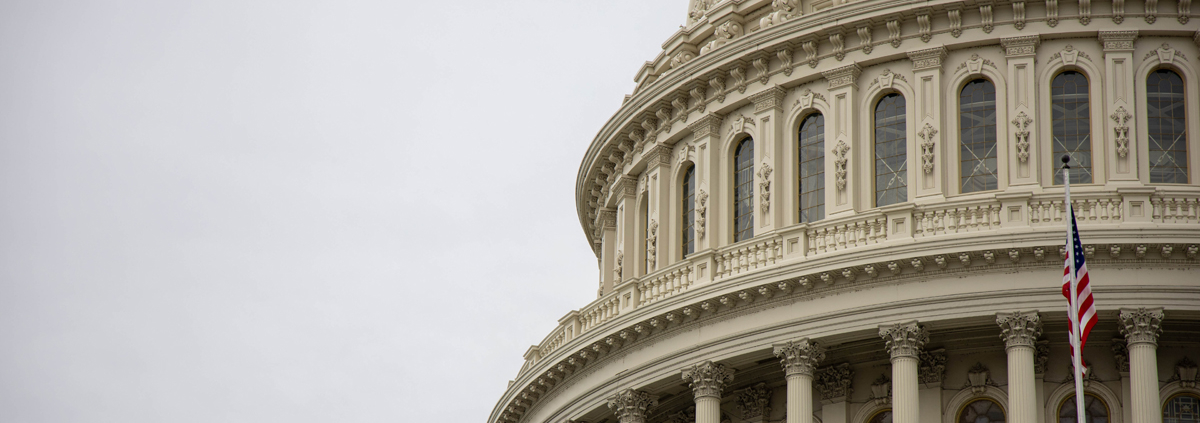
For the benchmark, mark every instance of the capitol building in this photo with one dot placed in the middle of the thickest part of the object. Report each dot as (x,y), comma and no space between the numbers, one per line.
(830,211)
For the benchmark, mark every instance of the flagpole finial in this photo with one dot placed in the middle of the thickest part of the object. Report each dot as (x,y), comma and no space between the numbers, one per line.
(1066,159)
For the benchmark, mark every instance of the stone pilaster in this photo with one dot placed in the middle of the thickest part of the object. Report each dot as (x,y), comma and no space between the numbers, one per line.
(606,224)
(1117,144)
(631,406)
(1020,331)
(705,135)
(754,403)
(708,381)
(625,191)
(1022,109)
(768,112)
(834,384)
(842,179)
(1141,328)
(927,73)
(799,358)
(904,342)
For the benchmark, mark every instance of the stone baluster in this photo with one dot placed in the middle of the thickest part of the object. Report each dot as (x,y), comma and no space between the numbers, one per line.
(631,406)
(1020,331)
(799,358)
(708,380)
(1141,328)
(904,342)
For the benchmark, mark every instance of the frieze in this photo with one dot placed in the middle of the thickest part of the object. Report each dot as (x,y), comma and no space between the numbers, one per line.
(1020,46)
(770,98)
(707,125)
(843,76)
(1118,40)
(928,58)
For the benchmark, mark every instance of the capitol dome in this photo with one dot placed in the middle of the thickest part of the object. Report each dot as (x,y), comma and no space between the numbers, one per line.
(852,212)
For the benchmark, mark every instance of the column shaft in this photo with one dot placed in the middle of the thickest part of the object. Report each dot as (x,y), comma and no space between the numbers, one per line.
(905,406)
(1143,374)
(708,410)
(1022,387)
(799,398)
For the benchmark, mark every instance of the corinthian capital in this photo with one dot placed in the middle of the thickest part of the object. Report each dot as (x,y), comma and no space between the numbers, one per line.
(1141,325)
(800,356)
(1019,329)
(904,339)
(708,379)
(631,406)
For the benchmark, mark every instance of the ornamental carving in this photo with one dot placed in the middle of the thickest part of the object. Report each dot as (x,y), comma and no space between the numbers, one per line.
(927,133)
(1018,15)
(810,52)
(708,379)
(718,85)
(904,339)
(1118,40)
(843,76)
(619,264)
(1120,352)
(764,187)
(738,73)
(1020,46)
(754,401)
(977,378)
(1085,12)
(770,98)
(1141,325)
(799,357)
(1041,356)
(986,17)
(839,164)
(924,27)
(834,381)
(699,9)
(724,33)
(701,210)
(932,367)
(864,39)
(652,246)
(1022,122)
(781,11)
(631,406)
(1118,11)
(707,125)
(760,64)
(885,80)
(1165,54)
(1121,117)
(930,58)
(893,27)
(1185,11)
(1185,373)
(955,16)
(785,59)
(839,45)
(1070,55)
(881,390)
(1052,13)
(975,64)
(683,416)
(1019,329)
(681,58)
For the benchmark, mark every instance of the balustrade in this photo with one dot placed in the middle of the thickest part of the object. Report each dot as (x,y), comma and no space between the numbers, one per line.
(1175,208)
(745,257)
(670,281)
(842,235)
(599,312)
(952,220)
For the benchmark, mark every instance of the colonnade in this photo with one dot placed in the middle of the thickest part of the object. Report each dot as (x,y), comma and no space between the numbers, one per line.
(904,343)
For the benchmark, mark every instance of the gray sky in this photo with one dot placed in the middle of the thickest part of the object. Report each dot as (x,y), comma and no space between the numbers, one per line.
(295,211)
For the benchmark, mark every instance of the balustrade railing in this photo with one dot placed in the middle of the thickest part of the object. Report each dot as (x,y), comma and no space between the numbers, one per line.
(1089,208)
(863,230)
(740,258)
(673,280)
(1175,208)
(931,221)
(599,312)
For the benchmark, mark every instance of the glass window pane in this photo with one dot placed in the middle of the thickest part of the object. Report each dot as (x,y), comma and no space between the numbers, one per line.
(891,155)
(981,411)
(812,168)
(1094,408)
(977,124)
(1182,409)
(743,182)
(1166,127)
(881,417)
(689,209)
(1071,126)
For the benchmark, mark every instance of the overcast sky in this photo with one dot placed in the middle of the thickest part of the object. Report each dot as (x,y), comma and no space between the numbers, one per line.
(295,211)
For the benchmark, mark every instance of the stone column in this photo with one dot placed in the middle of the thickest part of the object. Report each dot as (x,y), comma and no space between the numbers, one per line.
(708,379)
(1020,331)
(606,226)
(1022,109)
(841,180)
(631,406)
(904,342)
(799,358)
(1141,328)
(927,72)
(1117,143)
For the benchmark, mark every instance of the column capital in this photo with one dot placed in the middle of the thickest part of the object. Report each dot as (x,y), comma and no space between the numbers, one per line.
(768,99)
(834,381)
(930,58)
(1019,328)
(1118,40)
(626,186)
(708,379)
(754,402)
(843,76)
(1141,325)
(800,356)
(607,218)
(707,125)
(904,339)
(1022,46)
(631,406)
(659,155)
(932,367)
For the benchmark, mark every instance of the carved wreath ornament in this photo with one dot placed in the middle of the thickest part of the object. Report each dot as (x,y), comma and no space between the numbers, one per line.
(764,186)
(839,163)
(1121,117)
(1022,122)
(927,133)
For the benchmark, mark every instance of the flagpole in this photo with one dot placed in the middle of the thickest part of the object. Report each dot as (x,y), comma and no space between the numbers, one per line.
(1073,299)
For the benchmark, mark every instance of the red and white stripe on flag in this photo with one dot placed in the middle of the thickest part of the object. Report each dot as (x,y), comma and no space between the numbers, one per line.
(1083,291)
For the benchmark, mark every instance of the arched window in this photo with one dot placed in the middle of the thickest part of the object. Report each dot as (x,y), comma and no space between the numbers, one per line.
(977,132)
(1182,408)
(1094,408)
(1165,118)
(891,154)
(647,250)
(743,191)
(981,411)
(1071,125)
(882,416)
(689,209)
(812,168)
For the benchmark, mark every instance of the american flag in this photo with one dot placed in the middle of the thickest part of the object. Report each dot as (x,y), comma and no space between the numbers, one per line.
(1083,292)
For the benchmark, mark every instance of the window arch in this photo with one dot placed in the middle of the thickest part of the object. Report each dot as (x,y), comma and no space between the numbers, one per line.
(812,168)
(977,136)
(1071,125)
(1182,408)
(891,151)
(1167,127)
(688,206)
(743,190)
(881,416)
(981,411)
(1095,409)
